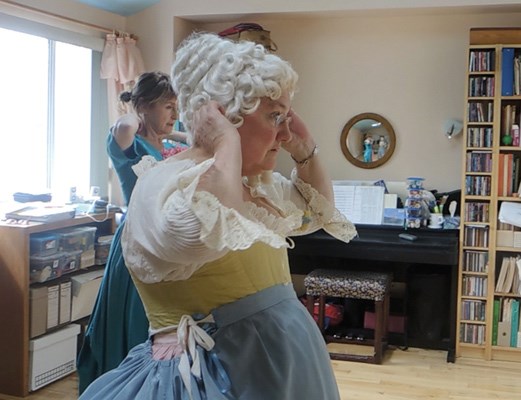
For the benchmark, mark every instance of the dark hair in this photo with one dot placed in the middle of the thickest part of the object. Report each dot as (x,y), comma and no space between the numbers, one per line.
(150,88)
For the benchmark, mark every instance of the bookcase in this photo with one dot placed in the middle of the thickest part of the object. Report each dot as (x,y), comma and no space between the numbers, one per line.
(15,295)
(488,310)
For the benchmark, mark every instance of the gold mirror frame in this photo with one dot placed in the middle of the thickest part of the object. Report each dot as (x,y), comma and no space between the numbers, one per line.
(384,129)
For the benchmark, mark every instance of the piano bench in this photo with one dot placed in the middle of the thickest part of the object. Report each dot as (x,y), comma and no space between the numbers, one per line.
(365,285)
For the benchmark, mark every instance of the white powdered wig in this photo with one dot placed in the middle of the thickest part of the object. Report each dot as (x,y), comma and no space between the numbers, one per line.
(236,75)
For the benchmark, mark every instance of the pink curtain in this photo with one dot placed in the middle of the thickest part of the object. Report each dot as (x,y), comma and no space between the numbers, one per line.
(121,64)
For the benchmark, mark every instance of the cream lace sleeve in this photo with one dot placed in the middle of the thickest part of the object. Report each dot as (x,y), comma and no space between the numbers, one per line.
(172,229)
(319,213)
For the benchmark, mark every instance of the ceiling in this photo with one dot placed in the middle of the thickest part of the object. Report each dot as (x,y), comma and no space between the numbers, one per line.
(120,7)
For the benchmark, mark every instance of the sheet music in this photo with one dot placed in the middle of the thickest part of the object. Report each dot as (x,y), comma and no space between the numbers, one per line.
(360,204)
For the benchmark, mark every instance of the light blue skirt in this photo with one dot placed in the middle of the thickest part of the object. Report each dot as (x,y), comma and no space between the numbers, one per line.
(267,346)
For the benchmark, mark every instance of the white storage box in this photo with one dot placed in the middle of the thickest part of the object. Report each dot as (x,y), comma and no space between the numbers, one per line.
(85,288)
(52,356)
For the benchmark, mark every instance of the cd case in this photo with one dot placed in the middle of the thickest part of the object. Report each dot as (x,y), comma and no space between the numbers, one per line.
(42,213)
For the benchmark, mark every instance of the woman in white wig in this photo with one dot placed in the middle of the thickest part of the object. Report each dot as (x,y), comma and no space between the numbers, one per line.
(206,240)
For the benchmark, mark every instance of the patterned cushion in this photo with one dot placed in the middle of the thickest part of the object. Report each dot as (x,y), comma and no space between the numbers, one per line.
(349,284)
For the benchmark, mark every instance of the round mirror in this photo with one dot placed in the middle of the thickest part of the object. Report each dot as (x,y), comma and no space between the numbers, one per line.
(368,140)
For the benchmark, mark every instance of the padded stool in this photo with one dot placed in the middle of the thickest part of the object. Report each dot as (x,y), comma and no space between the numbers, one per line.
(365,285)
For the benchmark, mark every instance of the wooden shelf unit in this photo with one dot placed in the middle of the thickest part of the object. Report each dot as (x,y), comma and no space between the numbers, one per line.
(14,296)
(480,259)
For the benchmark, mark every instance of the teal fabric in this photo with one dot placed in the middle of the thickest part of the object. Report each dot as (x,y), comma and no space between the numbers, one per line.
(123,160)
(118,321)
(285,359)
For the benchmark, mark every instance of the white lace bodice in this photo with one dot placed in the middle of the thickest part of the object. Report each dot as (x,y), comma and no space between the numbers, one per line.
(172,229)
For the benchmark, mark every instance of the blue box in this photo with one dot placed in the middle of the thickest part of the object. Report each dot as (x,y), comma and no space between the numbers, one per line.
(43,243)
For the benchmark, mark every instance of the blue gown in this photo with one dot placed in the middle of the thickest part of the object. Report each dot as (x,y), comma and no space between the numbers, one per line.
(118,321)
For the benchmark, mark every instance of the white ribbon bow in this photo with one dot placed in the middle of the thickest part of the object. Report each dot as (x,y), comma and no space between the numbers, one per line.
(189,335)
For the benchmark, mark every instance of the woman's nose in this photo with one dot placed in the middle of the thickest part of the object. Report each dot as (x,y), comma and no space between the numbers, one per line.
(284,133)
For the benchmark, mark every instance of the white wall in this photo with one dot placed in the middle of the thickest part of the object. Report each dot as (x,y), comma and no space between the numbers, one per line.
(407,66)
(402,59)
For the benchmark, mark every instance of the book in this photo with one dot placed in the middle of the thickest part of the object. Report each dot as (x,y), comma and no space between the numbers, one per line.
(507,71)
(495,321)
(506,120)
(507,176)
(517,71)
(500,178)
(509,280)
(515,135)
(516,286)
(42,213)
(505,265)
(515,322)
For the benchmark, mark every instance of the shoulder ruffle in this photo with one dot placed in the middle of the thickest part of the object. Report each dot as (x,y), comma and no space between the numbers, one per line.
(222,227)
(332,220)
(144,165)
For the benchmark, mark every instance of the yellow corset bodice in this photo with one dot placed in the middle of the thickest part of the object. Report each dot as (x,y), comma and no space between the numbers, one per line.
(234,276)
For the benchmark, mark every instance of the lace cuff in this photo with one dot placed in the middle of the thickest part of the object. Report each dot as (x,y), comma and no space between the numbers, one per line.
(330,219)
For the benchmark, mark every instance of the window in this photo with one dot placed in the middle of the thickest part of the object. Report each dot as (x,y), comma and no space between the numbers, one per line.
(46,99)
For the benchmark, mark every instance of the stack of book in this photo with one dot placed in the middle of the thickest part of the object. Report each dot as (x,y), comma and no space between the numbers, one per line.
(505,328)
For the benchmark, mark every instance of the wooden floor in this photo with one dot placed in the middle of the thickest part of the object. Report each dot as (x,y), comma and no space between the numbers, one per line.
(413,374)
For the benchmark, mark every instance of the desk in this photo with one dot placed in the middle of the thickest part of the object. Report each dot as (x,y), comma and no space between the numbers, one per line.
(381,244)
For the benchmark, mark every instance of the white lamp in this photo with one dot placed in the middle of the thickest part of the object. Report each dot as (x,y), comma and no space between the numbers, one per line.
(452,128)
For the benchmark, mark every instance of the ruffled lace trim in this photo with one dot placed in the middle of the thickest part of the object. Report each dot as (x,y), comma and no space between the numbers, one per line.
(282,226)
(333,221)
(223,227)
(144,165)
(290,217)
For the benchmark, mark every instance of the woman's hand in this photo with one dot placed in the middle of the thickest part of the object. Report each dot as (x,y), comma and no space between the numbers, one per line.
(211,129)
(301,144)
(218,138)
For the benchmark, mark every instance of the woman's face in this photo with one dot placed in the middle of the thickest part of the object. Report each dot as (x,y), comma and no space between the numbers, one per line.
(161,116)
(262,134)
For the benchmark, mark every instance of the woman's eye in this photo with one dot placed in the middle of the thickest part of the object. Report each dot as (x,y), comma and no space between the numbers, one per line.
(278,119)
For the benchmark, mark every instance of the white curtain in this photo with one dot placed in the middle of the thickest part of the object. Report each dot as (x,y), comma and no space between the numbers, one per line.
(121,64)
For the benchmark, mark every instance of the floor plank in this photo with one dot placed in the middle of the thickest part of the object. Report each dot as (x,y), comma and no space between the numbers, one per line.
(404,375)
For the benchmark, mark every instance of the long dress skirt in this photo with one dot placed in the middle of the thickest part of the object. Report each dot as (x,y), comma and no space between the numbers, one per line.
(267,346)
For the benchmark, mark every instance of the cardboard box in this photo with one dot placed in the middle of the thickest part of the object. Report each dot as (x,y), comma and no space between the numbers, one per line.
(85,289)
(504,238)
(53,305)
(38,311)
(495,35)
(65,302)
(52,356)
(396,323)
(517,239)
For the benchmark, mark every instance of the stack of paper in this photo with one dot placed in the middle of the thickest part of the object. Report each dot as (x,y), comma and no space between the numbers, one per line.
(360,204)
(509,276)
